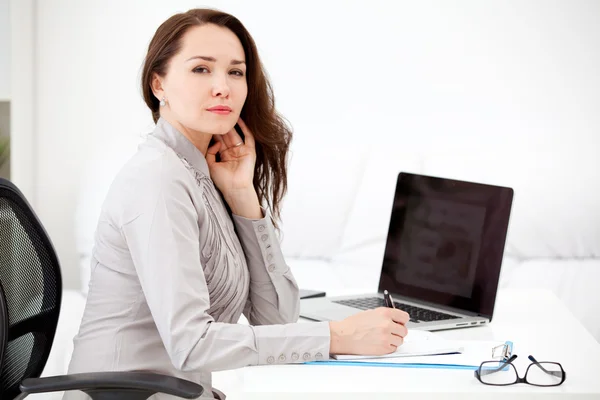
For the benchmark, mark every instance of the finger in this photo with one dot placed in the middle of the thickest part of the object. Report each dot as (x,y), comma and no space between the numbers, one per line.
(399,316)
(219,138)
(211,154)
(247,134)
(398,329)
(394,314)
(232,138)
(396,341)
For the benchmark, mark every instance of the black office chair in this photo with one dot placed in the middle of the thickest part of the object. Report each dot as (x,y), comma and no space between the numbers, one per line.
(30,296)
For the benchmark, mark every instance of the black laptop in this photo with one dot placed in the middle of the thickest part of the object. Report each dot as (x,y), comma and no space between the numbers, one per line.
(442,258)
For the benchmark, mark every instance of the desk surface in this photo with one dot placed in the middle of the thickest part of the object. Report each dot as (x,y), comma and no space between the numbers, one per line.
(536,321)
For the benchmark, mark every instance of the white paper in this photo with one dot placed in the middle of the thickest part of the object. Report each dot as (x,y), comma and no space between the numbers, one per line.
(471,352)
(416,343)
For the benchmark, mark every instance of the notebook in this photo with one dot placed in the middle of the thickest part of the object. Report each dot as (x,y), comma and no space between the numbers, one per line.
(416,343)
(471,354)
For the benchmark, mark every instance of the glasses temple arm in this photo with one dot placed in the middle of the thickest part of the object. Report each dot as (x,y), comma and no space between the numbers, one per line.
(554,373)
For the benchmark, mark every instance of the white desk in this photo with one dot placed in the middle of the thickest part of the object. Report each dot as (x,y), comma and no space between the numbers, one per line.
(536,321)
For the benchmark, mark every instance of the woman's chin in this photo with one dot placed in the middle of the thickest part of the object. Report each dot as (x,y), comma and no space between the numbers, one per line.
(221,129)
(213,127)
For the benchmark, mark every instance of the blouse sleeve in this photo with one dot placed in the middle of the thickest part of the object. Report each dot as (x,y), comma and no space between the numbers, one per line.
(274,296)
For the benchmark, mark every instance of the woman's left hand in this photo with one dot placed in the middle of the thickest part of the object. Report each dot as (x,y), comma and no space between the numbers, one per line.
(234,173)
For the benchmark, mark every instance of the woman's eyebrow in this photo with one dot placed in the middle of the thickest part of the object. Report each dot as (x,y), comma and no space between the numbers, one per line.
(212,59)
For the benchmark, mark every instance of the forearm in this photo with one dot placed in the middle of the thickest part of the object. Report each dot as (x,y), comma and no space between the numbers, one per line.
(274,295)
(222,346)
(244,203)
(275,302)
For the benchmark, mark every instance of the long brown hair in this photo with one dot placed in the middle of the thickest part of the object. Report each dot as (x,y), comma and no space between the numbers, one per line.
(270,131)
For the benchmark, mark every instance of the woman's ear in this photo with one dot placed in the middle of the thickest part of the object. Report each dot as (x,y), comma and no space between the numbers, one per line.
(157,87)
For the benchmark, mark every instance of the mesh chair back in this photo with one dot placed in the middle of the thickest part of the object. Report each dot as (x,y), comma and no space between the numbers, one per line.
(30,287)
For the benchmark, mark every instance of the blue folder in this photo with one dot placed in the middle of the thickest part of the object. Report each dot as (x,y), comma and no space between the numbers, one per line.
(392,365)
(507,351)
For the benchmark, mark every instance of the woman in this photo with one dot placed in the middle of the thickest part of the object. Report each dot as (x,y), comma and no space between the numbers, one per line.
(185,243)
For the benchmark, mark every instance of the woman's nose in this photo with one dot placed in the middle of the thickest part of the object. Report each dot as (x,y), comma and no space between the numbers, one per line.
(220,86)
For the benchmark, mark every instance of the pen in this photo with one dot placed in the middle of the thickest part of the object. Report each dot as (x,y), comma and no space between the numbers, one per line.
(387,297)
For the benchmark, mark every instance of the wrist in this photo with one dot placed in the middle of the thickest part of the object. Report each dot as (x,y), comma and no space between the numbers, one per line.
(336,345)
(244,203)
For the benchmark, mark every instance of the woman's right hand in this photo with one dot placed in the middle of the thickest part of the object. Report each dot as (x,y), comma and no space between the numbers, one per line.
(373,332)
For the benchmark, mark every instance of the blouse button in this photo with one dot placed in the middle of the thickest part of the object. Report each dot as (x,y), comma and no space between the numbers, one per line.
(282,358)
(264,237)
(271,268)
(295,356)
(269,257)
(261,228)
(306,356)
(271,359)
(318,356)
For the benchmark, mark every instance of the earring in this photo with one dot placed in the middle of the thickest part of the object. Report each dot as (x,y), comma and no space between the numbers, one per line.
(162,102)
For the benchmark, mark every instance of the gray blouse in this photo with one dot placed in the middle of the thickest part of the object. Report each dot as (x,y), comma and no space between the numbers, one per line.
(172,272)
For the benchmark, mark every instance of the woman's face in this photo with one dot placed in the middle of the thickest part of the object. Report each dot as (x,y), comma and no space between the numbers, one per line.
(209,71)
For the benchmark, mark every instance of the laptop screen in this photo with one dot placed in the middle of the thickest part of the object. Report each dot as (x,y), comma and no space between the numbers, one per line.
(446,242)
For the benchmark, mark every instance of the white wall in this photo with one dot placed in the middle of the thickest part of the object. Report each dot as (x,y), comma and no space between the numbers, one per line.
(4,50)
(22,98)
(467,74)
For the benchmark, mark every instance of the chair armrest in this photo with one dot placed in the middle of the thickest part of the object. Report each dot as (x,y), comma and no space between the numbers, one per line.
(132,384)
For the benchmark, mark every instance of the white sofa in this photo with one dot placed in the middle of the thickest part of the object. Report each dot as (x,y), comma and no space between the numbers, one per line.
(336,215)
(336,212)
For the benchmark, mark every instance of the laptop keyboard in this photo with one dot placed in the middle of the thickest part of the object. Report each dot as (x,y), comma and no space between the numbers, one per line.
(417,314)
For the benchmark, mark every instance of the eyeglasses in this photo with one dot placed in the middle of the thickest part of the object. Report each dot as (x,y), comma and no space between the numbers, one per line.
(503,373)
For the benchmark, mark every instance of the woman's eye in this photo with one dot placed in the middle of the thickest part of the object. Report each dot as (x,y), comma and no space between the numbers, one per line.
(203,70)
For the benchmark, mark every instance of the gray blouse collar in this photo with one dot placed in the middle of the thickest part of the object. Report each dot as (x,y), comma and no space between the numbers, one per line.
(168,134)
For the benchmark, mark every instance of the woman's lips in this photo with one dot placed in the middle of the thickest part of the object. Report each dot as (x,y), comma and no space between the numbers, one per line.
(222,110)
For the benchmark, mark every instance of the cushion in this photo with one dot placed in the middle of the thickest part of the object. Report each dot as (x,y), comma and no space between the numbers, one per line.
(556,206)
(574,282)
(369,217)
(321,193)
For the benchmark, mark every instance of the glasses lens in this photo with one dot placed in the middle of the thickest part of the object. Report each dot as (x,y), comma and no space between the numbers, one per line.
(497,373)
(544,374)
